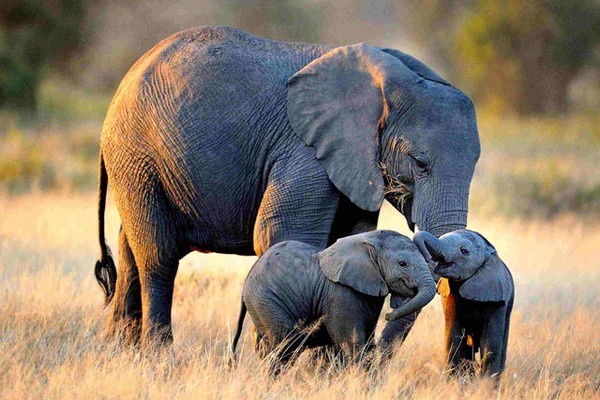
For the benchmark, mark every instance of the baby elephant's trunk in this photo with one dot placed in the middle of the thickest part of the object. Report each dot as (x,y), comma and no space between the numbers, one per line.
(425,293)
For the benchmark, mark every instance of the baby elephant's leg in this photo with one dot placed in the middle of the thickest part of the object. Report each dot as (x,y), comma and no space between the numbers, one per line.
(352,331)
(354,346)
(493,344)
(459,347)
(280,344)
(460,353)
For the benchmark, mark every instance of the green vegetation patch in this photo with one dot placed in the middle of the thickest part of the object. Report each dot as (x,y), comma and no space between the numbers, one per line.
(51,159)
(538,167)
(545,196)
(534,168)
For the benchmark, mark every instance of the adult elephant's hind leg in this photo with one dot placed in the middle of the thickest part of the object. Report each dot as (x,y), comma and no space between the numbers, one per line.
(157,283)
(157,250)
(126,317)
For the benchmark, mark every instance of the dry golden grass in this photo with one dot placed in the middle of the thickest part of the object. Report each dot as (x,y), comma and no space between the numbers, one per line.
(51,318)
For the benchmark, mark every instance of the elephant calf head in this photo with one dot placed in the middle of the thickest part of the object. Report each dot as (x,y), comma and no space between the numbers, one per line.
(380,262)
(467,257)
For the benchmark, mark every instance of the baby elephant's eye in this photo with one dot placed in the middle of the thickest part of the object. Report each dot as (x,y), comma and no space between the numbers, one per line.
(403,264)
(464,251)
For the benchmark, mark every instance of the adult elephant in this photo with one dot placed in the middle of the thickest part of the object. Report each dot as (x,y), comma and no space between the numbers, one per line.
(220,141)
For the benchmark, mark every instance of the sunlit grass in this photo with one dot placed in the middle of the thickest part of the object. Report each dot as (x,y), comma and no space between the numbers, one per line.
(51,318)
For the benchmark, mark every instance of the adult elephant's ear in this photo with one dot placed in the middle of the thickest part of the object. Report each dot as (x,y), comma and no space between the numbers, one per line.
(492,282)
(417,66)
(351,262)
(337,103)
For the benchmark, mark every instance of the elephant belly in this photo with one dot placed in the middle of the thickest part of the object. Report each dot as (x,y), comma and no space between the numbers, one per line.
(472,319)
(317,337)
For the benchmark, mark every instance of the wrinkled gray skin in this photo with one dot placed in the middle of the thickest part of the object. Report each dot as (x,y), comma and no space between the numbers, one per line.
(336,293)
(219,141)
(477,297)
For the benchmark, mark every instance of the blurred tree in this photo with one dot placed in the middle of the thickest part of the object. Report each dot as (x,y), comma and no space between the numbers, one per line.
(34,36)
(433,24)
(512,55)
(126,29)
(521,56)
(282,20)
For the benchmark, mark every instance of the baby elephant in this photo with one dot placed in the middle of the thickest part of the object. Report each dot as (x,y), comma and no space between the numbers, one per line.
(477,297)
(300,297)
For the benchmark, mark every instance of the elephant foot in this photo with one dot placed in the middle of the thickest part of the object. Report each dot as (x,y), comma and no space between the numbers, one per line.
(157,339)
(495,380)
(126,331)
(463,370)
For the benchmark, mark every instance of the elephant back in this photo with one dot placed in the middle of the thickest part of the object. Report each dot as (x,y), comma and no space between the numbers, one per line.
(288,255)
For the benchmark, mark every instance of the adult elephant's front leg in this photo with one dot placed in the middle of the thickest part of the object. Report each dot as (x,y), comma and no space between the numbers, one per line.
(351,220)
(299,203)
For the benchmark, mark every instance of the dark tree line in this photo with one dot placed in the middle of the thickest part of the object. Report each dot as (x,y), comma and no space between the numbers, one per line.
(513,55)
(36,35)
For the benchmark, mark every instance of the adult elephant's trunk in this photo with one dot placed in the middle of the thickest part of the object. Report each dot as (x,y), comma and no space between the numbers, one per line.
(430,247)
(425,293)
(442,206)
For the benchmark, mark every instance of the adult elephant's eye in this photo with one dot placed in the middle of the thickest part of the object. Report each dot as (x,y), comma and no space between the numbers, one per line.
(421,163)
(403,264)
(464,251)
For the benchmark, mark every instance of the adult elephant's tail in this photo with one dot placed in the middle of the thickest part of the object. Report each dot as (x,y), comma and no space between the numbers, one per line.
(238,333)
(106,273)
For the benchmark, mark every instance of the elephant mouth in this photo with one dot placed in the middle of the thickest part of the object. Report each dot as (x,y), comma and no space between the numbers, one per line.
(410,291)
(402,288)
(406,292)
(441,266)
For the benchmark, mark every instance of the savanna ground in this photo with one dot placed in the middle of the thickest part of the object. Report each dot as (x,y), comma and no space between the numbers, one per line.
(536,196)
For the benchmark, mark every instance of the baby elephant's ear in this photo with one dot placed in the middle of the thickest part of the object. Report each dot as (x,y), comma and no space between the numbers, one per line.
(351,261)
(492,282)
